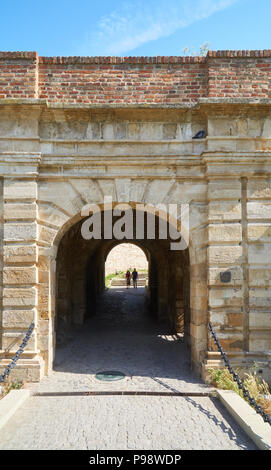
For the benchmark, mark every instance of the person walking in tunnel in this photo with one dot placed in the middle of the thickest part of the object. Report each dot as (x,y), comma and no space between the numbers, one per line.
(135,276)
(128,278)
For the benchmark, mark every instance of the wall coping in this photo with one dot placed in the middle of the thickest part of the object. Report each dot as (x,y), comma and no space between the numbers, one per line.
(134,60)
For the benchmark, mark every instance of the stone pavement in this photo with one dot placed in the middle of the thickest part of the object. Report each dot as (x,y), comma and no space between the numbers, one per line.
(122,337)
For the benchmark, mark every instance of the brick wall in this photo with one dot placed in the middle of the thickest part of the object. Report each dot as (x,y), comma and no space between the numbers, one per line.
(240,75)
(18,75)
(136,80)
(122,81)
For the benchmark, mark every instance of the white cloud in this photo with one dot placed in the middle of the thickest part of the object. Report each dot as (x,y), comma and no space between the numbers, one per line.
(137,22)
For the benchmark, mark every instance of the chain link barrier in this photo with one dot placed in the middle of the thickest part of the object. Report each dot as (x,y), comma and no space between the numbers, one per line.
(12,364)
(236,378)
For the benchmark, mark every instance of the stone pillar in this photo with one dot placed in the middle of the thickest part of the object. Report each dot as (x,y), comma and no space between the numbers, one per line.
(46,305)
(20,276)
(226,251)
(258,195)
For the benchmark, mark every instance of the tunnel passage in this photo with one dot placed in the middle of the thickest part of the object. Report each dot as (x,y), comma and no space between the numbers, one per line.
(80,278)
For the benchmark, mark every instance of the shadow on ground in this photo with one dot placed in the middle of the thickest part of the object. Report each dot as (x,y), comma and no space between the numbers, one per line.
(122,336)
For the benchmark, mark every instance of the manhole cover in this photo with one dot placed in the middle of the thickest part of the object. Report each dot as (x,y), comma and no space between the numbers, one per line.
(109,375)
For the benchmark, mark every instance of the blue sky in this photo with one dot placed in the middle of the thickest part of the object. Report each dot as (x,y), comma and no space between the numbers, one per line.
(133,27)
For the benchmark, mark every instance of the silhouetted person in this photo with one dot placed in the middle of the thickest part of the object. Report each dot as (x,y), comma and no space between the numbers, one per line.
(128,278)
(135,276)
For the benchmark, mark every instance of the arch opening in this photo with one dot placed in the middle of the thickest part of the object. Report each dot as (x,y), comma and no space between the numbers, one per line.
(81,269)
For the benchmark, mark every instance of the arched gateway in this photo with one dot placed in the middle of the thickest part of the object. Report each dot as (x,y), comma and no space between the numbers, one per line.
(69,142)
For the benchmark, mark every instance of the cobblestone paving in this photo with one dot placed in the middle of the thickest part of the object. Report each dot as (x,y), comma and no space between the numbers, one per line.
(122,423)
(122,337)
(118,339)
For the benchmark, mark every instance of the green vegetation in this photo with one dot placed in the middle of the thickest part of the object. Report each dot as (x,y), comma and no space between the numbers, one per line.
(109,277)
(121,275)
(9,385)
(256,386)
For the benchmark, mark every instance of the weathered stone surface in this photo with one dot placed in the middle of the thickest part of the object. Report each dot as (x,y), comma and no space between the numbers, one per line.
(224,211)
(259,189)
(215,275)
(259,232)
(259,210)
(20,211)
(20,253)
(61,151)
(259,276)
(18,318)
(26,232)
(15,189)
(220,255)
(259,254)
(20,275)
(19,297)
(11,341)
(223,297)
(226,232)
(224,190)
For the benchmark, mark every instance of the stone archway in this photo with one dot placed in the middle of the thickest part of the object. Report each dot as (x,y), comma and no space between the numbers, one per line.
(80,279)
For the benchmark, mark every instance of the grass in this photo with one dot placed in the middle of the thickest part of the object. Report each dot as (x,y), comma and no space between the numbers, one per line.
(256,386)
(10,385)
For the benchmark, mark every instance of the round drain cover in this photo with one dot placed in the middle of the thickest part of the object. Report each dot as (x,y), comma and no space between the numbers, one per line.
(109,375)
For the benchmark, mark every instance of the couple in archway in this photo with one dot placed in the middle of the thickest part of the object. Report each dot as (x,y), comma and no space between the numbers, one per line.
(134,276)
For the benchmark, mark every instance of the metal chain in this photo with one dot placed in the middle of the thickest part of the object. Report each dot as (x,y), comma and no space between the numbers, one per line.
(237,379)
(12,364)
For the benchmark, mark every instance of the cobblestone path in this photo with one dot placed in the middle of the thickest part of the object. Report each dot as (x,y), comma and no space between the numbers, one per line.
(122,337)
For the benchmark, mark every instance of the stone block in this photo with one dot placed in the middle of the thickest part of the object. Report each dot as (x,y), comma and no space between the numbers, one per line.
(225,232)
(198,332)
(20,253)
(259,210)
(12,340)
(260,297)
(26,232)
(259,232)
(157,191)
(20,275)
(20,319)
(259,276)
(20,211)
(123,189)
(50,214)
(217,318)
(230,342)
(16,189)
(133,129)
(61,194)
(259,189)
(224,211)
(19,297)
(259,254)
(152,131)
(89,190)
(236,273)
(224,297)
(108,188)
(224,190)
(187,192)
(43,342)
(197,215)
(46,234)
(220,255)
(137,190)
(259,341)
(234,320)
(259,320)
